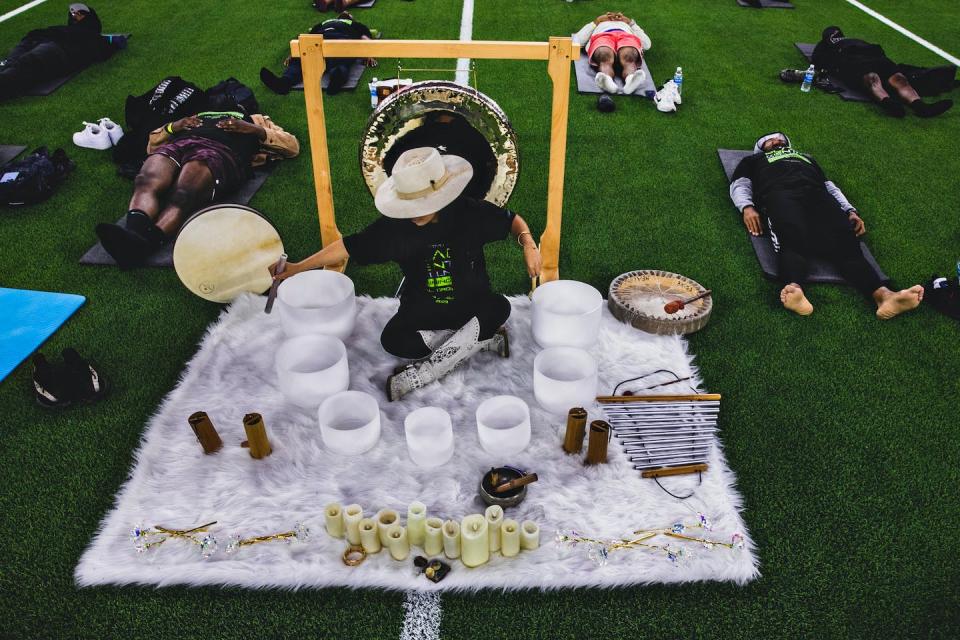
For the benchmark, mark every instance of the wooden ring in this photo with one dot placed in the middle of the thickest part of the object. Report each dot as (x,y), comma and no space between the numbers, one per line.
(354,555)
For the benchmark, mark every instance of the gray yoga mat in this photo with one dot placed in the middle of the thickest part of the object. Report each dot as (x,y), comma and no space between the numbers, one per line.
(848,93)
(164,257)
(820,270)
(9,151)
(767,4)
(356,70)
(49,86)
(587,84)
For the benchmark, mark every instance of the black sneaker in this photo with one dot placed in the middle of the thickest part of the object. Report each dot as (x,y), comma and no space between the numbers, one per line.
(793,76)
(85,383)
(129,249)
(50,387)
(277,84)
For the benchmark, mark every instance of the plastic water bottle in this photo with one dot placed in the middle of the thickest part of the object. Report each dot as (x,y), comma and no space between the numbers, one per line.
(808,79)
(678,79)
(373,94)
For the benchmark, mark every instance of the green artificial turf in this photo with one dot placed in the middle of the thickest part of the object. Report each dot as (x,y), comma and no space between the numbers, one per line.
(841,429)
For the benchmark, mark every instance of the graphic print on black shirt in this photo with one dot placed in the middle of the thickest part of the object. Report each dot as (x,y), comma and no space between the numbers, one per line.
(440,275)
(783,168)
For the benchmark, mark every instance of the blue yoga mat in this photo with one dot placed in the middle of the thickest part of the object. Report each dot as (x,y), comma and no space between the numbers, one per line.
(29,318)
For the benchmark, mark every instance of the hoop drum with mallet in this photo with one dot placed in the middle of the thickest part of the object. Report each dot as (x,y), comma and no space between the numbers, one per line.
(660,302)
(225,250)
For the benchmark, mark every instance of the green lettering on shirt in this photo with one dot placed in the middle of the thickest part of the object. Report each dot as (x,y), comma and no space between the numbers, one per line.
(785,153)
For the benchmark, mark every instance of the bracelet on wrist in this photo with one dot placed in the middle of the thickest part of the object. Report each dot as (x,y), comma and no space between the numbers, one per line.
(520,237)
(169,128)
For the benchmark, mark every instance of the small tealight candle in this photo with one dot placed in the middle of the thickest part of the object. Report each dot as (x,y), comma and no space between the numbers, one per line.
(474,541)
(529,535)
(333,513)
(416,516)
(352,515)
(399,544)
(386,518)
(494,516)
(451,539)
(433,542)
(510,538)
(369,535)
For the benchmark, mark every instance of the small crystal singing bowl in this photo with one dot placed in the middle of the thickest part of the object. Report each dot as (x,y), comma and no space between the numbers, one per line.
(317,301)
(503,425)
(429,432)
(566,313)
(564,377)
(312,368)
(349,422)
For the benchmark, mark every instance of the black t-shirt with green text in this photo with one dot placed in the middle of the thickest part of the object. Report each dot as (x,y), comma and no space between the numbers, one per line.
(442,261)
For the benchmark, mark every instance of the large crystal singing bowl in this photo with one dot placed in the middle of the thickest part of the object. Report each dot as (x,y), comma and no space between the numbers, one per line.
(566,313)
(564,377)
(312,368)
(349,422)
(503,425)
(317,302)
(429,432)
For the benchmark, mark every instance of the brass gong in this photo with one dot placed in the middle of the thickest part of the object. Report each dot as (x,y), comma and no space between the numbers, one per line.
(457,120)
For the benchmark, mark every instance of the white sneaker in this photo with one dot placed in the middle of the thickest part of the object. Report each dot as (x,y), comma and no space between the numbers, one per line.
(633,81)
(93,136)
(675,93)
(664,101)
(114,130)
(606,83)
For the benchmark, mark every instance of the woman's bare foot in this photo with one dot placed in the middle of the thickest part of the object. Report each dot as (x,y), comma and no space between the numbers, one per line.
(893,303)
(793,299)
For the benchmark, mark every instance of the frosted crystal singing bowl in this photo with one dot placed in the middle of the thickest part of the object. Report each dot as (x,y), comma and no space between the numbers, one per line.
(429,436)
(349,422)
(317,302)
(311,368)
(566,313)
(503,425)
(564,377)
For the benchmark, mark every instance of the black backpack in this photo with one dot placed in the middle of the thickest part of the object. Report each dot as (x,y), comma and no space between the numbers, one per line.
(231,92)
(173,98)
(34,178)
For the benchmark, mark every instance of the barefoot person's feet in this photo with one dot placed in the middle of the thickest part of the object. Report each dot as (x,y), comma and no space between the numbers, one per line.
(794,300)
(893,303)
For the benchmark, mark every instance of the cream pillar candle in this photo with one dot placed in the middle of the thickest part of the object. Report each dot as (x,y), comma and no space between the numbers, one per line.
(369,535)
(433,540)
(399,543)
(474,541)
(386,518)
(494,515)
(510,538)
(529,535)
(416,516)
(352,515)
(451,539)
(333,513)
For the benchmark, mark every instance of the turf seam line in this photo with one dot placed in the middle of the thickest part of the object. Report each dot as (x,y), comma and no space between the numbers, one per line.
(466,35)
(423,615)
(19,10)
(910,34)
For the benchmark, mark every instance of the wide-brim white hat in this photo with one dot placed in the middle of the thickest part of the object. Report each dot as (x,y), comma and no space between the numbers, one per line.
(422,182)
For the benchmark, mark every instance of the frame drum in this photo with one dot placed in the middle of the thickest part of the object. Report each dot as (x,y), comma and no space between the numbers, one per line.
(225,250)
(456,119)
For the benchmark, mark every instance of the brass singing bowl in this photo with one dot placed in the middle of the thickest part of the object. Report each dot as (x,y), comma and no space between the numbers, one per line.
(456,119)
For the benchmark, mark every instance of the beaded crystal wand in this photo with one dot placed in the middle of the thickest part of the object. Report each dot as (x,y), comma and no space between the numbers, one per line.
(300,533)
(145,539)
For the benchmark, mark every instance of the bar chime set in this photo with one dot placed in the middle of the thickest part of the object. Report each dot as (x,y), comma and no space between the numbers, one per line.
(664,435)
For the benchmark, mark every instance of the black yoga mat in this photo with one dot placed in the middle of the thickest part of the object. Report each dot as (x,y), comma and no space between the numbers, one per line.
(356,70)
(164,257)
(767,4)
(9,151)
(49,86)
(820,270)
(847,93)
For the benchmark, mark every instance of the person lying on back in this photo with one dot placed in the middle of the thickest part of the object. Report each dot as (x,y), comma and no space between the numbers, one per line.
(615,41)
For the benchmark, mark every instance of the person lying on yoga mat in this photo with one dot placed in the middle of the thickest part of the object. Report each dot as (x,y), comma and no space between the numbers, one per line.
(808,215)
(615,41)
(865,65)
(191,162)
(448,311)
(343,27)
(45,54)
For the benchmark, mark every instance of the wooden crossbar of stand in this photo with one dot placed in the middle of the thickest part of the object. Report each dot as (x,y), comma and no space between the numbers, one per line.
(700,397)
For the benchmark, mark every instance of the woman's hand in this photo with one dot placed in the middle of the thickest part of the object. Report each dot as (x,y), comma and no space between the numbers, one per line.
(291,269)
(531,256)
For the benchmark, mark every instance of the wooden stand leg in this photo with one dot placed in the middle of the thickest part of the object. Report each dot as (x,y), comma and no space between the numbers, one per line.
(256,436)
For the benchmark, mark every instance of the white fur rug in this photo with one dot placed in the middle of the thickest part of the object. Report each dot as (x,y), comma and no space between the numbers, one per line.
(175,485)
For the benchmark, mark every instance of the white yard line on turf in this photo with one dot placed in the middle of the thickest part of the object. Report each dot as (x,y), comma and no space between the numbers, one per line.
(466,35)
(423,613)
(890,23)
(20,10)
